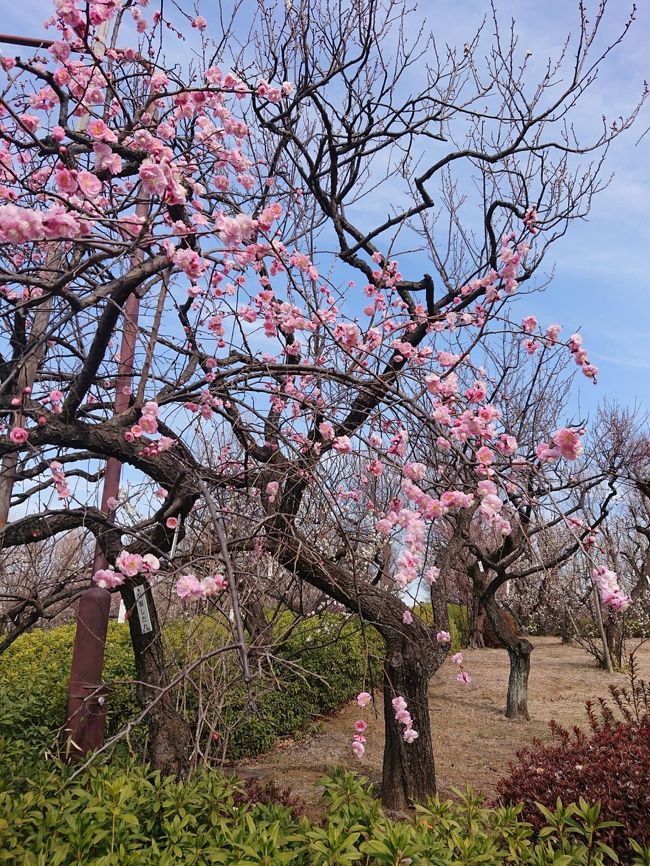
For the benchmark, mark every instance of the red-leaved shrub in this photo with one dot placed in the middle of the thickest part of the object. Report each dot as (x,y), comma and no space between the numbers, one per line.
(607,763)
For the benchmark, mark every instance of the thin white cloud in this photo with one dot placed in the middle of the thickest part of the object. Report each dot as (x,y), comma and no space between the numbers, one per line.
(623,361)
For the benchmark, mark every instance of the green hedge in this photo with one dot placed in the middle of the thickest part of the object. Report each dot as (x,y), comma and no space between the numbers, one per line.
(112,816)
(458,622)
(327,660)
(34,672)
(326,664)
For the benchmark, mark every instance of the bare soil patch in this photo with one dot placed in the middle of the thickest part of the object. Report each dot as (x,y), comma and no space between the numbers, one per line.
(472,739)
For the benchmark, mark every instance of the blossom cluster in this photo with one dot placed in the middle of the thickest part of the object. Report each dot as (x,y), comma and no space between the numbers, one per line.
(18,435)
(190,588)
(360,726)
(565,443)
(505,278)
(58,476)
(581,358)
(610,591)
(128,565)
(462,676)
(402,715)
(19,225)
(148,424)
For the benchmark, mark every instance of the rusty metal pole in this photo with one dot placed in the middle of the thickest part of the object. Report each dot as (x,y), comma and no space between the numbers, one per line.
(25,41)
(86,708)
(125,365)
(85,717)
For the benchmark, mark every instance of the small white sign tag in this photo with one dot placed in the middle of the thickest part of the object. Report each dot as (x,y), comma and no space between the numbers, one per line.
(143,609)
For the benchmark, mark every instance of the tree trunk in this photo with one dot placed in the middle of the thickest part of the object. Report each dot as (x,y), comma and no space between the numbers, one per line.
(412,656)
(517,700)
(169,733)
(519,650)
(566,630)
(478,628)
(439,604)
(409,774)
(614,634)
(607,659)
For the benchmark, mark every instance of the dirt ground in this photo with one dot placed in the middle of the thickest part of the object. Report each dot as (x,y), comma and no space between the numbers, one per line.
(472,739)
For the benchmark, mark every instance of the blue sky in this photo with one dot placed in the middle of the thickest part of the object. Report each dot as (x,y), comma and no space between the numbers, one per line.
(601,278)
(601,282)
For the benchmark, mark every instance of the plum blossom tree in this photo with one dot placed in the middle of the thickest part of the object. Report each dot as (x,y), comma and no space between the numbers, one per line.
(195,212)
(528,515)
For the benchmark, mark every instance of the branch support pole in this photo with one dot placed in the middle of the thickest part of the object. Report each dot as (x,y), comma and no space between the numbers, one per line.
(86,708)
(84,725)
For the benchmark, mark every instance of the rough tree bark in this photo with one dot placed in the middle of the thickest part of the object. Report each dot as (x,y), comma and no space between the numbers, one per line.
(478,628)
(615,639)
(519,650)
(169,733)
(517,699)
(409,774)
(606,658)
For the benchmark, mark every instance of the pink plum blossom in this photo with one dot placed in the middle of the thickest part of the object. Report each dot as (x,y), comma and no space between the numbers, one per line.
(129,564)
(410,735)
(188,586)
(610,591)
(211,586)
(342,444)
(18,435)
(153,178)
(415,471)
(485,455)
(150,563)
(553,332)
(106,578)
(567,442)
(89,184)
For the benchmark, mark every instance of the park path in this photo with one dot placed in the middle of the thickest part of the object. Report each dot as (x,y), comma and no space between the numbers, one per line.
(472,739)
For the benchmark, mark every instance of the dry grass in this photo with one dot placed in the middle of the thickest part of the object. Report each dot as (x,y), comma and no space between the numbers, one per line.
(472,739)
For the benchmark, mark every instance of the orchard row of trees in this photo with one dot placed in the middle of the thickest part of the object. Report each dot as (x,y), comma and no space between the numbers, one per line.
(279,289)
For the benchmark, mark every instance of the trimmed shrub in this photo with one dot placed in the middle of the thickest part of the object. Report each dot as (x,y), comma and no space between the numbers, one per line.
(34,674)
(458,626)
(329,660)
(609,763)
(326,662)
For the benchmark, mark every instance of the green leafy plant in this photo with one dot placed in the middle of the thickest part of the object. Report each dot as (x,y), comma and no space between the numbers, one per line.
(113,815)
